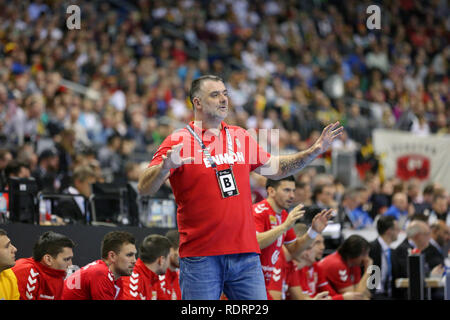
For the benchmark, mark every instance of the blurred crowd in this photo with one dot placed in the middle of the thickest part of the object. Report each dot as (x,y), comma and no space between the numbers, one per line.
(105,96)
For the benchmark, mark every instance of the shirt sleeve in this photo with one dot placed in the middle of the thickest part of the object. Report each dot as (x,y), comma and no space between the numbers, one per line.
(290,236)
(323,285)
(337,276)
(102,287)
(27,283)
(255,154)
(260,220)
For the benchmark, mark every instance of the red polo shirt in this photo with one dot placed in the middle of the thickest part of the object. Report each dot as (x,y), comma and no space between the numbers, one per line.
(209,224)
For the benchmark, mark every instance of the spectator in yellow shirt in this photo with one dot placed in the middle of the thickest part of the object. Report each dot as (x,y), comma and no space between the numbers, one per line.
(8,281)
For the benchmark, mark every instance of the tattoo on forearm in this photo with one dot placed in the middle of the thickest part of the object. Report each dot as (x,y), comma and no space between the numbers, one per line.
(291,164)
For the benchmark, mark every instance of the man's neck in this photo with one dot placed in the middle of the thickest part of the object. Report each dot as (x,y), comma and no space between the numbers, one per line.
(151,267)
(274,205)
(386,239)
(111,268)
(208,124)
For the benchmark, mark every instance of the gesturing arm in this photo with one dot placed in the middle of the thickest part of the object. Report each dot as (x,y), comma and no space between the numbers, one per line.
(154,176)
(286,165)
(266,238)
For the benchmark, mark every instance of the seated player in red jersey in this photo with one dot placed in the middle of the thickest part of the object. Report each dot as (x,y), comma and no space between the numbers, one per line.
(170,282)
(101,279)
(41,277)
(343,268)
(144,284)
(274,224)
(306,272)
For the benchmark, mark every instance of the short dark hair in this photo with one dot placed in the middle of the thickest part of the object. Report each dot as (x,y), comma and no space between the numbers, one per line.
(114,240)
(174,238)
(51,243)
(153,247)
(384,223)
(14,167)
(196,84)
(275,183)
(3,232)
(353,247)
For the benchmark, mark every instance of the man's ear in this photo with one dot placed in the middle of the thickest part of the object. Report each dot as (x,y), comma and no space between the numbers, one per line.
(47,260)
(112,256)
(196,102)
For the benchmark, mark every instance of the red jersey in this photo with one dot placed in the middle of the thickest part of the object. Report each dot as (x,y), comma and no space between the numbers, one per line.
(337,273)
(92,282)
(265,219)
(37,281)
(312,280)
(143,284)
(170,284)
(208,223)
(277,282)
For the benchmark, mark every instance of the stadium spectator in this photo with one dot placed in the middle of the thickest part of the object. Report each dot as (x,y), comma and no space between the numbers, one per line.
(436,252)
(343,267)
(46,173)
(41,277)
(77,209)
(417,237)
(8,282)
(439,208)
(382,256)
(143,283)
(399,207)
(101,279)
(324,196)
(5,158)
(17,169)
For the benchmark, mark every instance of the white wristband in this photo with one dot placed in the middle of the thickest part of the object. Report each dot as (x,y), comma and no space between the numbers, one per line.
(311,233)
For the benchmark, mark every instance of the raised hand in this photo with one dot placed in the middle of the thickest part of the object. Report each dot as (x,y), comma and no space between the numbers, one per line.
(320,221)
(330,133)
(173,160)
(294,215)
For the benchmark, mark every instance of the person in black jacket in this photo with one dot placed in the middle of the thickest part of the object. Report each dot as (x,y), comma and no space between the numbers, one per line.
(440,237)
(418,235)
(77,209)
(381,254)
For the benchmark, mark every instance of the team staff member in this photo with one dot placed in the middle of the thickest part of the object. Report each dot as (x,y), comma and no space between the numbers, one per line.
(8,281)
(143,284)
(274,224)
(100,280)
(41,277)
(343,267)
(208,164)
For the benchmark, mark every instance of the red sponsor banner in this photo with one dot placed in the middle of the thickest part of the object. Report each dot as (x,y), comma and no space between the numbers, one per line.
(413,166)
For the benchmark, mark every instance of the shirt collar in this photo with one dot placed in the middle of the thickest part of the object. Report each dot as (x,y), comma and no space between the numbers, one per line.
(434,243)
(383,244)
(224,125)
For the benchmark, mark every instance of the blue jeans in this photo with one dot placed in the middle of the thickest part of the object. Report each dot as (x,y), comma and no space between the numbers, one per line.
(239,276)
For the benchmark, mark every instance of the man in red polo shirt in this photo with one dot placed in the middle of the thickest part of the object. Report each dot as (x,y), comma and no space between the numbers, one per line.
(42,276)
(144,284)
(101,279)
(208,164)
(343,268)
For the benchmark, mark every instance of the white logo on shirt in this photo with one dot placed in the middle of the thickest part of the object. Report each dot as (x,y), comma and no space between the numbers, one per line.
(260,208)
(343,275)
